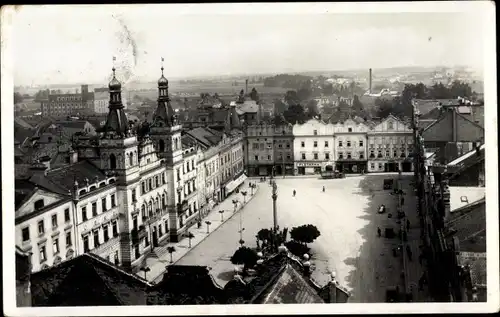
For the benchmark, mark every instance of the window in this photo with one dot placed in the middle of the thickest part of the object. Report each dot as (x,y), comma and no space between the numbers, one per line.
(327,156)
(84,213)
(315,156)
(157,180)
(26,234)
(341,156)
(303,156)
(67,217)
(349,155)
(68,239)
(166,226)
(395,154)
(41,227)
(96,238)
(379,166)
(146,241)
(390,125)
(39,204)
(163,179)
(315,132)
(360,143)
(150,184)
(43,253)
(326,143)
(340,143)
(256,157)
(361,155)
(113,201)
(136,251)
(106,232)
(288,145)
(115,228)
(302,144)
(55,246)
(86,247)
(348,143)
(349,129)
(117,259)
(143,187)
(269,157)
(134,197)
(54,221)
(372,166)
(403,154)
(387,154)
(379,155)
(94,209)
(315,143)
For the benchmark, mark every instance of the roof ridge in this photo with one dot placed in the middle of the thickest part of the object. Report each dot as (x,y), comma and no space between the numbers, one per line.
(119,269)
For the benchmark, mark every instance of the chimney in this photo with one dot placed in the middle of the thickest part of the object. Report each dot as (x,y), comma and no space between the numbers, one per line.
(332,288)
(39,168)
(370,81)
(246,86)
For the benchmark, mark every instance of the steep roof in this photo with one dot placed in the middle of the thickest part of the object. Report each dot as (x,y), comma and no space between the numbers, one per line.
(468,224)
(65,176)
(205,135)
(87,280)
(186,285)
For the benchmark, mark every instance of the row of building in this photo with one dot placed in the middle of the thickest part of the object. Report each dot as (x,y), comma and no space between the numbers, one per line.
(351,146)
(78,103)
(125,189)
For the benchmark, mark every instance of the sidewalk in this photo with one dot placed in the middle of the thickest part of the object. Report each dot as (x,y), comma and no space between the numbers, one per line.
(413,269)
(159,259)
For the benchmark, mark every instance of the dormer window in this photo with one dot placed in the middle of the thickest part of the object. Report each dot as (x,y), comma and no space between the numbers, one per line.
(390,125)
(39,204)
(349,129)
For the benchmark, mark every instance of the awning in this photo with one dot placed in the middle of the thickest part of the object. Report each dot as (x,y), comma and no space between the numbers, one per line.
(235,183)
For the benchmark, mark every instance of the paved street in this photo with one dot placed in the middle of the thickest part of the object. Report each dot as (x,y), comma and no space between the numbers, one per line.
(160,258)
(346,214)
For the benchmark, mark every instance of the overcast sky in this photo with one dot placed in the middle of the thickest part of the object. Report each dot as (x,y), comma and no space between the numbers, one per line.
(69,44)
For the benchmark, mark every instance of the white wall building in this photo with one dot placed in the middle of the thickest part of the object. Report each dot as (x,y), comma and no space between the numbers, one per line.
(313,147)
(350,146)
(101,100)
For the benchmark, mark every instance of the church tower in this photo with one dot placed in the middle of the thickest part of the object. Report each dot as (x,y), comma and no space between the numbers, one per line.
(165,131)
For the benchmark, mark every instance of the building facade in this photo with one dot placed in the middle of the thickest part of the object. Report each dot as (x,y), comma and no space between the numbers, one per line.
(390,143)
(283,149)
(101,100)
(313,147)
(350,139)
(62,105)
(259,149)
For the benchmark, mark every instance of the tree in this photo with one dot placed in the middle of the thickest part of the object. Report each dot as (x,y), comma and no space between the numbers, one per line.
(264,234)
(18,98)
(305,233)
(208,223)
(460,89)
(383,107)
(296,248)
(190,236)
(312,108)
(171,250)
(245,256)
(279,107)
(291,98)
(295,113)
(357,106)
(328,89)
(254,95)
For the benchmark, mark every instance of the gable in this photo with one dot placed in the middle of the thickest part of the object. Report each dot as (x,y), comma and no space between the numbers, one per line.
(391,123)
(29,205)
(440,130)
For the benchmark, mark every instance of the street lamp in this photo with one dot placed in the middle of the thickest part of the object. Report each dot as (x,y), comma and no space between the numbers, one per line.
(221,215)
(274,196)
(145,269)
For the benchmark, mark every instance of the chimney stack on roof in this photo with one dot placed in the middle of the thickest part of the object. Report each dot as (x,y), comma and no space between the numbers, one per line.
(370,81)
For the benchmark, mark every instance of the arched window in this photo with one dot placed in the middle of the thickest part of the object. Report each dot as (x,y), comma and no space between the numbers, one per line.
(162,146)
(112,161)
(150,209)
(164,201)
(143,211)
(157,204)
(131,159)
(176,144)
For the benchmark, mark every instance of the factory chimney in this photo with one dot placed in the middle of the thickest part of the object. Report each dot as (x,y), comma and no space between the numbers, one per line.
(246,86)
(370,82)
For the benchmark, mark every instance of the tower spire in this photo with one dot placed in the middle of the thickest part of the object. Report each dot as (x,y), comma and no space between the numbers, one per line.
(164,114)
(117,120)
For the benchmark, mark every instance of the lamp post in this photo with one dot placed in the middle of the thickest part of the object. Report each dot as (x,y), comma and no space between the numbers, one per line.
(145,269)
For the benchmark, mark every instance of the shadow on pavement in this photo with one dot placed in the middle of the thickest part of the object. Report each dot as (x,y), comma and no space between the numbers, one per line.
(226,276)
(375,268)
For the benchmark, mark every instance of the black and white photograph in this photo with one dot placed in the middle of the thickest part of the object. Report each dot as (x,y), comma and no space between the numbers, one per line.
(220,158)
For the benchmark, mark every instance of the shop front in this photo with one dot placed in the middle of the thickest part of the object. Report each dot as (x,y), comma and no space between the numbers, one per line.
(235,183)
(354,167)
(308,168)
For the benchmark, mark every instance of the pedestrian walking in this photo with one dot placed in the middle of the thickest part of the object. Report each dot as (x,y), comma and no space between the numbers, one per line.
(407,224)
(323,189)
(379,232)
(294,193)
(408,251)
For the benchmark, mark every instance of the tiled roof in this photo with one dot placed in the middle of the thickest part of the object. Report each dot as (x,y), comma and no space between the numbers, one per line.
(425,106)
(468,225)
(461,196)
(205,136)
(248,106)
(291,288)
(23,189)
(65,176)
(86,280)
(186,285)
(477,267)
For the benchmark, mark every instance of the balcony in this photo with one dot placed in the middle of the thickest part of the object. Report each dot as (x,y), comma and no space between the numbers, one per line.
(138,234)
